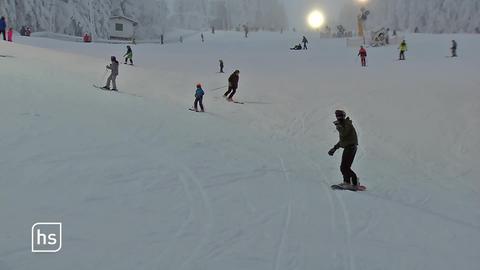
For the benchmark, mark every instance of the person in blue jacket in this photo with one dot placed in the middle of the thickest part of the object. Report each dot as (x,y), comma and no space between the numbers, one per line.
(3,27)
(199,93)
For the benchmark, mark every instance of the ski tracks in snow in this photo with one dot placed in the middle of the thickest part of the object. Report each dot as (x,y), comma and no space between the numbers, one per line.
(208,223)
(287,221)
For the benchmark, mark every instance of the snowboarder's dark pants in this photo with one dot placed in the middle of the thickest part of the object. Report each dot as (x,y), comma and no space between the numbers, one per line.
(402,55)
(230,91)
(129,58)
(454,52)
(198,100)
(4,34)
(305,46)
(221,69)
(348,156)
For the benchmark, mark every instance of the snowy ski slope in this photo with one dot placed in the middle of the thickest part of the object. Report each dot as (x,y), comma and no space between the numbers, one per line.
(140,182)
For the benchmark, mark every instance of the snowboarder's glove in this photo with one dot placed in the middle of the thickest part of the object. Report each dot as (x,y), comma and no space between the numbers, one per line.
(332,151)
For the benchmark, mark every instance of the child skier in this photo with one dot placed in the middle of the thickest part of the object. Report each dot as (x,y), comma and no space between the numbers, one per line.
(403,48)
(113,75)
(129,55)
(10,34)
(199,93)
(348,141)
(363,56)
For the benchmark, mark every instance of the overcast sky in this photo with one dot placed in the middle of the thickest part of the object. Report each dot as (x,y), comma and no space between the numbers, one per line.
(297,10)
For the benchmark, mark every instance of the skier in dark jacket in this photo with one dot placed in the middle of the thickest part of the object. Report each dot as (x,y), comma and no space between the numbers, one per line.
(348,141)
(199,93)
(454,48)
(304,41)
(221,65)
(232,85)
(3,28)
(128,55)
(113,75)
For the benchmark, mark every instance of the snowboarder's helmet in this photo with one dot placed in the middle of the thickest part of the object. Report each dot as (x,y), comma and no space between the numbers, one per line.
(113,58)
(340,114)
(199,85)
(237,71)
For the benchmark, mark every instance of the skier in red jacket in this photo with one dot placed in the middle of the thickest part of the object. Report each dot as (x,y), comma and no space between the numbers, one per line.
(363,56)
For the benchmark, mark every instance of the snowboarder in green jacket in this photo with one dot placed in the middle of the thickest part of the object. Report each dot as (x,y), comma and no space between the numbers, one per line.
(129,55)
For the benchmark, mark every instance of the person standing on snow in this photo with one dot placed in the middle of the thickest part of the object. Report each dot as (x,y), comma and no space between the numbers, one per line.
(304,41)
(203,38)
(232,85)
(199,93)
(454,48)
(403,48)
(348,141)
(221,66)
(129,55)
(10,34)
(3,27)
(113,75)
(363,56)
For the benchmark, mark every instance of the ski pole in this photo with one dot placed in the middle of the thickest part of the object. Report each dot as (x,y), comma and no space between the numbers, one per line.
(104,76)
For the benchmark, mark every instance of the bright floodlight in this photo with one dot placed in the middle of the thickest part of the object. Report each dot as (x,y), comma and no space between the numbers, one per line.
(362,1)
(316,19)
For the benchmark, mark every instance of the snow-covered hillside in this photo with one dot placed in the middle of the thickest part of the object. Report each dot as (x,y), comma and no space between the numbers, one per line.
(140,182)
(76,17)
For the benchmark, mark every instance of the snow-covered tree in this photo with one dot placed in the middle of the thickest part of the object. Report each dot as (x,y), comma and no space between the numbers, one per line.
(433,16)
(75,17)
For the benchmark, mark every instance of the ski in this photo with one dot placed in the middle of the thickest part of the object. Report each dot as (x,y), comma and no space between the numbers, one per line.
(193,110)
(101,88)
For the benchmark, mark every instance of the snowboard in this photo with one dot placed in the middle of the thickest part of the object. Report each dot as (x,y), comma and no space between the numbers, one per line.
(236,102)
(339,187)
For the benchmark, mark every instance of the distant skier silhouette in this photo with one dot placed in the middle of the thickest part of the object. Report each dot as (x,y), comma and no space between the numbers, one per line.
(363,56)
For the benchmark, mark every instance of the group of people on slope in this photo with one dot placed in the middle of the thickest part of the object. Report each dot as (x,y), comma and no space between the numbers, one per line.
(403,48)
(113,67)
(6,34)
(232,89)
(299,46)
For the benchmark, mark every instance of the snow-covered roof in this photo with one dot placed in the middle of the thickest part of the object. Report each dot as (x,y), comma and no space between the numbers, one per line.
(124,18)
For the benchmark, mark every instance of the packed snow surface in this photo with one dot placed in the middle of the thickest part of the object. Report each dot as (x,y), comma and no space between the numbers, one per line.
(140,182)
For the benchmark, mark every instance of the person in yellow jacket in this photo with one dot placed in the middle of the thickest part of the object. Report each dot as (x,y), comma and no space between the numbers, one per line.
(403,48)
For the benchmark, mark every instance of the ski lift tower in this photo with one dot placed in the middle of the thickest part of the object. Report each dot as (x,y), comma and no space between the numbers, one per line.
(92,19)
(362,19)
